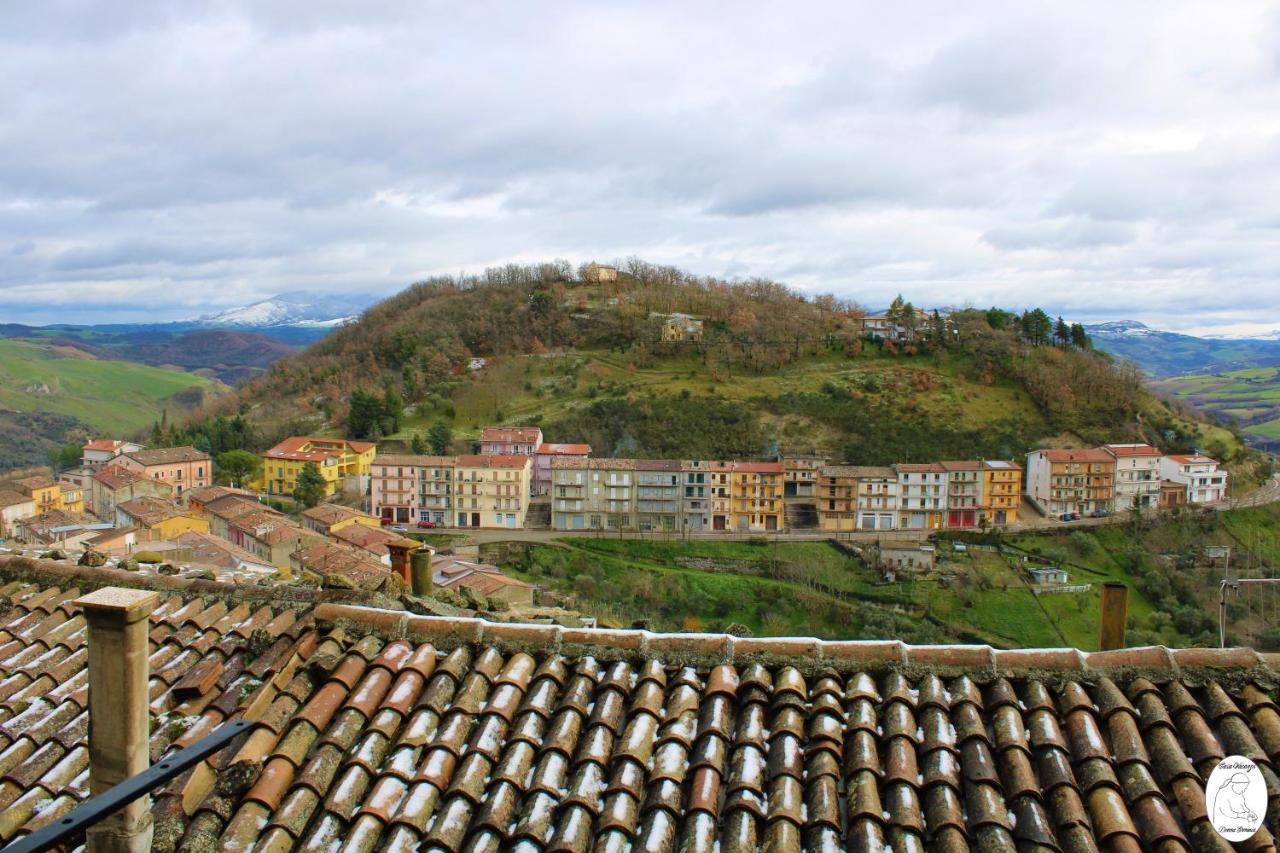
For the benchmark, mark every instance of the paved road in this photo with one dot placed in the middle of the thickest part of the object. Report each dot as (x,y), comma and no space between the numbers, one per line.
(1268,492)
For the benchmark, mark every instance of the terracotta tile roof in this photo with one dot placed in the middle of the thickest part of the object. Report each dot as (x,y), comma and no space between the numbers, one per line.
(328,558)
(961,465)
(919,467)
(1128,450)
(209,494)
(207,549)
(167,455)
(1194,459)
(307,449)
(108,445)
(492,460)
(759,467)
(10,498)
(30,484)
(371,539)
(1092,454)
(329,513)
(230,507)
(385,730)
(509,435)
(858,472)
(117,478)
(150,511)
(574,463)
(658,465)
(413,460)
(564,449)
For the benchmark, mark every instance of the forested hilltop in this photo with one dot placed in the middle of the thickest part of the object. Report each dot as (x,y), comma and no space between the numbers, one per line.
(772,370)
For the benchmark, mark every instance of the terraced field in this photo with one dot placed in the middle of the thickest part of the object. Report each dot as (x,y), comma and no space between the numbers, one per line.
(1250,396)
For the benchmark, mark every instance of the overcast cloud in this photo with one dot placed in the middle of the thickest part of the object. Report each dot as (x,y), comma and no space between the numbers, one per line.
(160,160)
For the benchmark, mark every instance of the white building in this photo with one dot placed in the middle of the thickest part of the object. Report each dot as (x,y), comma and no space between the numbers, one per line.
(877,498)
(1137,475)
(99,451)
(1205,482)
(922,495)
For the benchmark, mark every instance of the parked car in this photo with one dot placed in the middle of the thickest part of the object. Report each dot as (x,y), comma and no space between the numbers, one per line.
(427,525)
(1075,516)
(1066,516)
(1100,513)
(399,528)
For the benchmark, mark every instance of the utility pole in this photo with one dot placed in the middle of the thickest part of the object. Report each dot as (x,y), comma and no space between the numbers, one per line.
(1233,584)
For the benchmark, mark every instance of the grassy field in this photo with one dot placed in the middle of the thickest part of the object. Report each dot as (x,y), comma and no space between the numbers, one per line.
(112,397)
(1251,396)
(813,589)
(977,595)
(551,385)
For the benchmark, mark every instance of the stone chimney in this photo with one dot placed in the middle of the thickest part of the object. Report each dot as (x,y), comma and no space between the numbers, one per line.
(400,561)
(420,565)
(119,725)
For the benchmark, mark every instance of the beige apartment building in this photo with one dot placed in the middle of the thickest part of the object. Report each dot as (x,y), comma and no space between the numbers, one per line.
(593,494)
(491,491)
(411,488)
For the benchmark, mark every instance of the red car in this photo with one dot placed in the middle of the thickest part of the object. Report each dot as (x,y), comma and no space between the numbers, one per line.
(426,525)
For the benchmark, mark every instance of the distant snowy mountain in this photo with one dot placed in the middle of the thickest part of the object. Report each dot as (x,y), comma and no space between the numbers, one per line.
(1120,327)
(1162,353)
(298,309)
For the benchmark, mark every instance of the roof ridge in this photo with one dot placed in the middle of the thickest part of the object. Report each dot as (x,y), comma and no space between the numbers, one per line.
(810,652)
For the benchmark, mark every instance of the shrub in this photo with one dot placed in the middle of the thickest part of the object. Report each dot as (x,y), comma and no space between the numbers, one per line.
(148,557)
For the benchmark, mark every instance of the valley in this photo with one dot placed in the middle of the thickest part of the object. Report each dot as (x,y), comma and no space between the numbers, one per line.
(1249,397)
(61,392)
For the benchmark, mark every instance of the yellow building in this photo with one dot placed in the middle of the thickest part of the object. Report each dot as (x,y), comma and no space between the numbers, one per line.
(72,498)
(45,494)
(491,491)
(335,458)
(330,518)
(156,519)
(1001,492)
(755,496)
(836,496)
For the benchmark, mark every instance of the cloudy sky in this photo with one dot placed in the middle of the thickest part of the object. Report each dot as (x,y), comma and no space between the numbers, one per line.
(160,160)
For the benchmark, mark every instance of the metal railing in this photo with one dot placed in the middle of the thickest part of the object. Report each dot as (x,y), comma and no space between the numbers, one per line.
(95,809)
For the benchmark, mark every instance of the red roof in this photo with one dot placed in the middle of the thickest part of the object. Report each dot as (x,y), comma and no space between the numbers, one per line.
(1194,459)
(1093,454)
(564,449)
(1128,450)
(492,460)
(316,449)
(919,467)
(108,445)
(961,465)
(759,467)
(503,435)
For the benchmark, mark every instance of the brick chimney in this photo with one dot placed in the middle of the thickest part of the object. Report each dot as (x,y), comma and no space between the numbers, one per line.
(119,725)
(400,560)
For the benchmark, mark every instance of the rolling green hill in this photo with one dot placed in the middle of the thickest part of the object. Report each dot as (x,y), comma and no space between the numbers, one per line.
(773,369)
(41,387)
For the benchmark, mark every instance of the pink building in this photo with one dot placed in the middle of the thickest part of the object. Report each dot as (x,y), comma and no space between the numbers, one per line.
(183,468)
(510,441)
(542,462)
